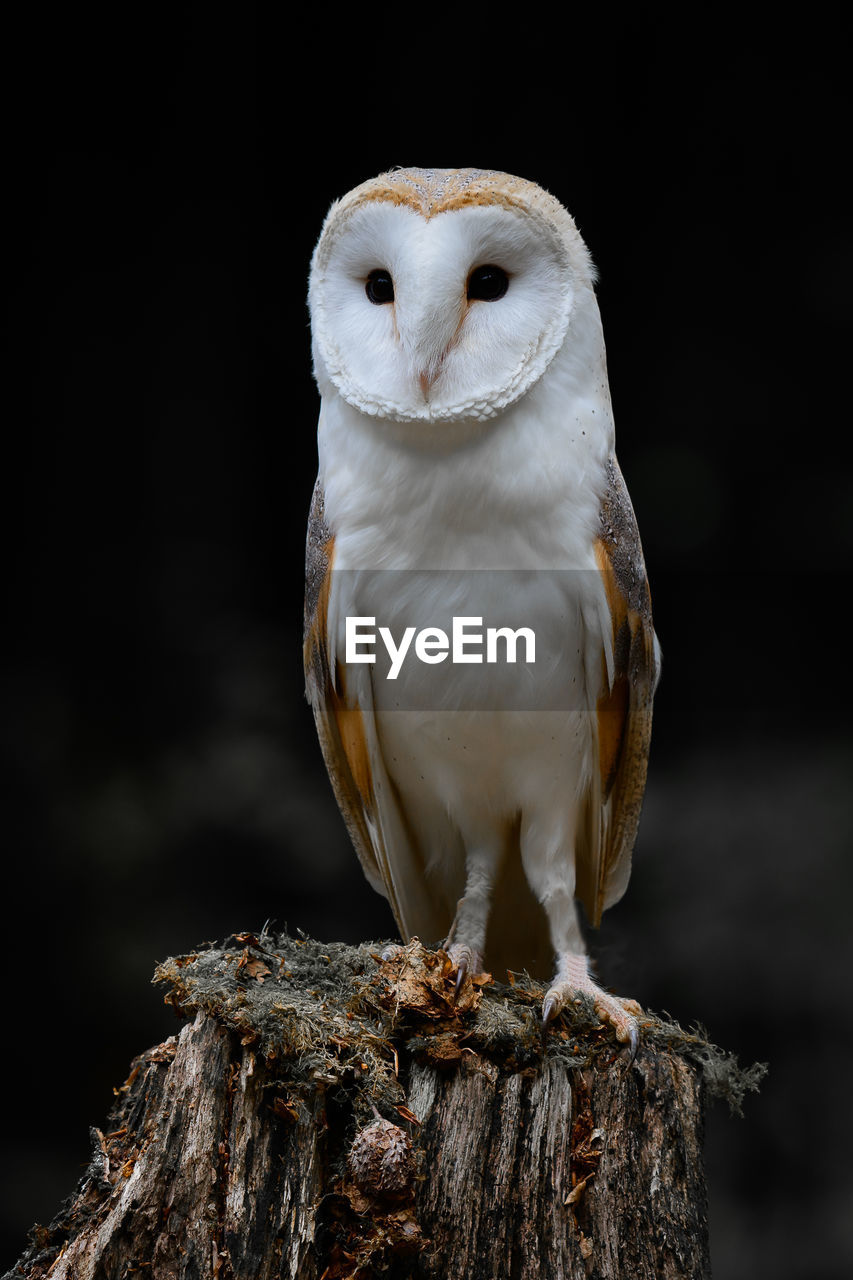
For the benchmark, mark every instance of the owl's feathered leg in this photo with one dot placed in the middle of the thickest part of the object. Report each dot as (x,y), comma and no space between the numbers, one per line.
(466,941)
(552,879)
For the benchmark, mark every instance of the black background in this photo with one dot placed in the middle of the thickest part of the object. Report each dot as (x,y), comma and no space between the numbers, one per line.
(167,172)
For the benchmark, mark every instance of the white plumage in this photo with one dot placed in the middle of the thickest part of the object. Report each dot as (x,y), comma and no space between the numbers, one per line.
(467,464)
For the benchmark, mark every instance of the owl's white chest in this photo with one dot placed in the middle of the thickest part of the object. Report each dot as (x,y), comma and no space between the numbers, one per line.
(520,491)
(504,517)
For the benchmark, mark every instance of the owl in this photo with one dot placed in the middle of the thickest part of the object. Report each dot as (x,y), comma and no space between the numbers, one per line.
(467,473)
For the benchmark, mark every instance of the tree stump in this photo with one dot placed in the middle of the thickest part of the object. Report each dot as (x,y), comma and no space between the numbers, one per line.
(328,1113)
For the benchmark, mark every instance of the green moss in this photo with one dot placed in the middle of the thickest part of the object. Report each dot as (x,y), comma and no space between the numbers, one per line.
(330,1013)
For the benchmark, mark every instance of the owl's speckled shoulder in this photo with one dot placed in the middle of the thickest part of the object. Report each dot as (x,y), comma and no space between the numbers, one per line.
(620,535)
(316,554)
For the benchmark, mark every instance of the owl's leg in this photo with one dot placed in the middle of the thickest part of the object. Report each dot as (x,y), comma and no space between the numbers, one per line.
(466,941)
(552,879)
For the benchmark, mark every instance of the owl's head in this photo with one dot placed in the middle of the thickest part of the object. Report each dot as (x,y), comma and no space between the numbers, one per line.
(443,294)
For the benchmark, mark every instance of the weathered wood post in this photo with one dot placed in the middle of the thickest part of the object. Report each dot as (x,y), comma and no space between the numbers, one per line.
(325,1113)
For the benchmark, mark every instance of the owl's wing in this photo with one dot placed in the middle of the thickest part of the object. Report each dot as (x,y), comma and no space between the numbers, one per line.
(339,728)
(346,727)
(622,719)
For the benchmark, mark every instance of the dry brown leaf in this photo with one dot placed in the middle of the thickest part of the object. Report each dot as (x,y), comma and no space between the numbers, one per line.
(576,1192)
(286,1109)
(257,969)
(424,982)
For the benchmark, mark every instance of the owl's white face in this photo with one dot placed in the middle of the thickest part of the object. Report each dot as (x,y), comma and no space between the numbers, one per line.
(439,318)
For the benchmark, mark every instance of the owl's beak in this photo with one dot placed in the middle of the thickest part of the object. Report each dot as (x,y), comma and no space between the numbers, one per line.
(428,333)
(430,358)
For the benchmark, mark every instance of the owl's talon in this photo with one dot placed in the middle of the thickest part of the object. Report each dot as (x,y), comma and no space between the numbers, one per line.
(466,960)
(550,1009)
(461,970)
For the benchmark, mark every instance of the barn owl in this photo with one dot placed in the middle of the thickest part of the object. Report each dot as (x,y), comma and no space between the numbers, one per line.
(467,469)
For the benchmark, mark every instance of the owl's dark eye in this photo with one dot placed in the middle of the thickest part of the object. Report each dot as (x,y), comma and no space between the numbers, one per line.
(380,286)
(487,284)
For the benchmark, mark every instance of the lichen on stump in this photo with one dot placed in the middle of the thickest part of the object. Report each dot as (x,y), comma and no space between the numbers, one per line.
(328,1113)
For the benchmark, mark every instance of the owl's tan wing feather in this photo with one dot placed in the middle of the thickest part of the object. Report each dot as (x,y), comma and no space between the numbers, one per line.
(623,714)
(340,729)
(388,852)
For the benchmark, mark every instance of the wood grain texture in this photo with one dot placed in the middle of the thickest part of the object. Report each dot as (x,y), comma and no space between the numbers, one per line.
(502,1169)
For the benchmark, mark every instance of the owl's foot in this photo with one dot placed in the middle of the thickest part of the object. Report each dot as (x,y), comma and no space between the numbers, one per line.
(466,960)
(573,980)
